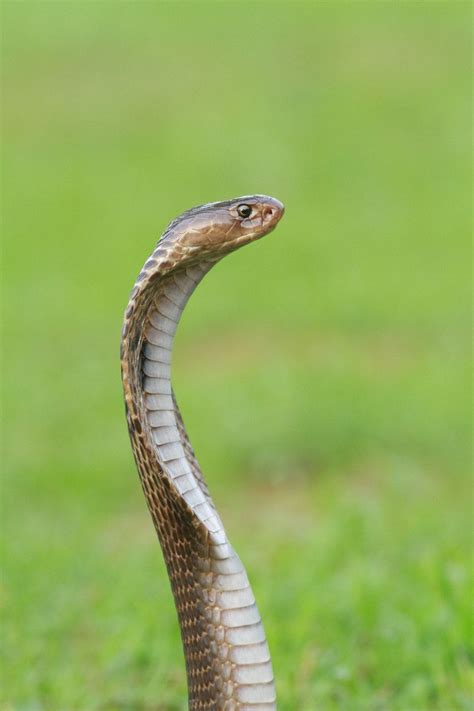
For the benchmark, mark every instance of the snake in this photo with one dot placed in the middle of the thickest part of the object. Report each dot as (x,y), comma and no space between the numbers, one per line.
(228,663)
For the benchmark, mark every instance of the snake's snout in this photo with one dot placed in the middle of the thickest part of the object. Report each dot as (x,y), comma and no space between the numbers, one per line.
(268,212)
(272,211)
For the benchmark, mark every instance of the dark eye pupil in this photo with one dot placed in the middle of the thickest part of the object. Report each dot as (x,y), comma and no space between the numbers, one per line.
(244,210)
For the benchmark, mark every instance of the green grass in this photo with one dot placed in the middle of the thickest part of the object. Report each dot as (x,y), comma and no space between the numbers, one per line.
(322,372)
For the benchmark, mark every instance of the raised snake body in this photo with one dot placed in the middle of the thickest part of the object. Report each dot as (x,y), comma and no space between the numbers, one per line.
(227,657)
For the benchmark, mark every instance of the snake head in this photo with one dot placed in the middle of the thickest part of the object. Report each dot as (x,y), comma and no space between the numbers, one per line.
(255,216)
(217,228)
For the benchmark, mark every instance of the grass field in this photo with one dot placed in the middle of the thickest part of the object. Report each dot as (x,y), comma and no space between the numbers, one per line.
(323,372)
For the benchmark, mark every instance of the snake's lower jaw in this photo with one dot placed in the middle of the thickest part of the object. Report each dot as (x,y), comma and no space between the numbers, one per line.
(268,219)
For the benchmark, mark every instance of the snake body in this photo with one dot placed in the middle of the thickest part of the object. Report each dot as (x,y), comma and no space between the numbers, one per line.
(227,657)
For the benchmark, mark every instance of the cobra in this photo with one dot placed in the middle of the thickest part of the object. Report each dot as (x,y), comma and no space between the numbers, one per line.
(227,657)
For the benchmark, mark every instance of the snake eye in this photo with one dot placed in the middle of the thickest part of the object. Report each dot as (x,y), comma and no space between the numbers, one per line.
(244,210)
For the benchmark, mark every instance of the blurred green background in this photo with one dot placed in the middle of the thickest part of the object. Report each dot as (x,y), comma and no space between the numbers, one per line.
(322,372)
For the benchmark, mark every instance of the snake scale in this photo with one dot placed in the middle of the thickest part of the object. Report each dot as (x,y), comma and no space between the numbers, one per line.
(227,657)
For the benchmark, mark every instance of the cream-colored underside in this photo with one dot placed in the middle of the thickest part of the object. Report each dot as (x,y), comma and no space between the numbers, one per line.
(235,627)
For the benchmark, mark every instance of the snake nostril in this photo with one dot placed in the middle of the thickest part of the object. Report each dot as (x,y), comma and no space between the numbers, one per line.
(268,212)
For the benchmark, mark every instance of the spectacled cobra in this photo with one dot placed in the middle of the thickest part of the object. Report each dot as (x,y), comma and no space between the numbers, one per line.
(227,657)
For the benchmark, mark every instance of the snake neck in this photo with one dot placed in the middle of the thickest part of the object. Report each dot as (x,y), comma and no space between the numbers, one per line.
(227,657)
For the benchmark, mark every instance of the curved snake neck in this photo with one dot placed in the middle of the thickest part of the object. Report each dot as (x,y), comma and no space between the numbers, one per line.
(227,657)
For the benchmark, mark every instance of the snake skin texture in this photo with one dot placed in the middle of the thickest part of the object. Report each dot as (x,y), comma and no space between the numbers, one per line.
(227,657)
